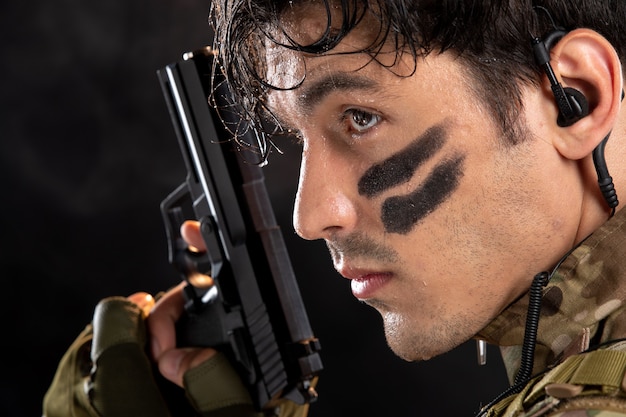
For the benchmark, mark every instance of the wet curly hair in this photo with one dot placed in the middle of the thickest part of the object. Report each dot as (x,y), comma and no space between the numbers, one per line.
(492,38)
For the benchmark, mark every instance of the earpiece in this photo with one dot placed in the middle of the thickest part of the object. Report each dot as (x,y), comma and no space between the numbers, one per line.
(572,104)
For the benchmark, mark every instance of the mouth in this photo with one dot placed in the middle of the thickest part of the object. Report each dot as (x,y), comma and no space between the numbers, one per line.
(365,284)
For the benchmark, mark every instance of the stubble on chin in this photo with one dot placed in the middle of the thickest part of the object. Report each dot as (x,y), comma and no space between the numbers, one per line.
(412,341)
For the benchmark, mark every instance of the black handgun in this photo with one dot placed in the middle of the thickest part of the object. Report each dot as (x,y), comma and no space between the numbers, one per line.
(242,296)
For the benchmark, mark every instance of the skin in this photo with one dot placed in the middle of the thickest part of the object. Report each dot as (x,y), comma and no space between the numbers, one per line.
(454,266)
(489,220)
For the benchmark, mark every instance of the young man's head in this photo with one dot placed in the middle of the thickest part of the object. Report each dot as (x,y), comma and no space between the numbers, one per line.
(433,165)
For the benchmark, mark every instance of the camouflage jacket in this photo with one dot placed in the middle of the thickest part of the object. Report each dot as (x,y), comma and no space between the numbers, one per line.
(582,307)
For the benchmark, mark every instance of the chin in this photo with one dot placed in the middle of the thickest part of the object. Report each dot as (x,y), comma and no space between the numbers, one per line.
(411,353)
(413,342)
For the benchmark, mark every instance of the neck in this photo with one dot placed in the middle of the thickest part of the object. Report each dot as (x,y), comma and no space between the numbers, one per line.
(583,303)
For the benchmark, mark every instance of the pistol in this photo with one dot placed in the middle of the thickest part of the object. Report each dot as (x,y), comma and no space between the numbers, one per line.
(241,294)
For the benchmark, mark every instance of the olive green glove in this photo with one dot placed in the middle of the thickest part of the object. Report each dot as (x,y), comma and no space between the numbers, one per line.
(215,388)
(106,373)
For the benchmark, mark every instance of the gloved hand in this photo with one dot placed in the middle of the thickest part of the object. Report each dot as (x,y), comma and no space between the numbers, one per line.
(107,373)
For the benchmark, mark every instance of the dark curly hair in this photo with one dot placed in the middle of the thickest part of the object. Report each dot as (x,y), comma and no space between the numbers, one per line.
(491,37)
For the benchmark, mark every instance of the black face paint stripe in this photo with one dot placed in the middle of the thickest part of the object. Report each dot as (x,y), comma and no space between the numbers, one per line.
(400,167)
(401,213)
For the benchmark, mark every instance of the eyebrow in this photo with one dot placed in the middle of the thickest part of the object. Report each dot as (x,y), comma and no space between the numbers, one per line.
(312,94)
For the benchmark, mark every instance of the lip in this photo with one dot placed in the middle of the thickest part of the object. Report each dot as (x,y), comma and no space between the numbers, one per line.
(365,284)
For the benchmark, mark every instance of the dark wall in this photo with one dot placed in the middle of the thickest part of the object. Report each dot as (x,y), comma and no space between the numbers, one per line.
(87,153)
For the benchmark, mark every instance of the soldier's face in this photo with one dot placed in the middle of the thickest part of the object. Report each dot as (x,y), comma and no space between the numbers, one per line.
(436,221)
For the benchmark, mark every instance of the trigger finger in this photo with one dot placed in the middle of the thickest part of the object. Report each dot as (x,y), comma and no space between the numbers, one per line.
(190,231)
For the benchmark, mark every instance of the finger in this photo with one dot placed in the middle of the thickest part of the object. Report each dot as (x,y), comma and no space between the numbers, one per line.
(144,300)
(190,231)
(162,320)
(173,364)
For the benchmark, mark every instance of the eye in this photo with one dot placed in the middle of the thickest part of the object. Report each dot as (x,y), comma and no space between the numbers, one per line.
(360,121)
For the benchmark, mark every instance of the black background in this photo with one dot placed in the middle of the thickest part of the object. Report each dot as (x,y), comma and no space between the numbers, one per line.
(87,154)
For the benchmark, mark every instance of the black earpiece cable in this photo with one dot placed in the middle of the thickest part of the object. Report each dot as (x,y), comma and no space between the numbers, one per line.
(524,373)
(605,181)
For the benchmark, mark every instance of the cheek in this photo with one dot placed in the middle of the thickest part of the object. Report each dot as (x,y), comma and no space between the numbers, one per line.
(403,209)
(400,214)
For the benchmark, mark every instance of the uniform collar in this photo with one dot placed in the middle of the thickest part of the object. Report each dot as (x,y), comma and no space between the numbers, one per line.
(582,304)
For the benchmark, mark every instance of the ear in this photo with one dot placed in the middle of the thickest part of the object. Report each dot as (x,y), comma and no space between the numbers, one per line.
(584,60)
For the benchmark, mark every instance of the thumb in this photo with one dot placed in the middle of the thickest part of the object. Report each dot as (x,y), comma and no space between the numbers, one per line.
(174,363)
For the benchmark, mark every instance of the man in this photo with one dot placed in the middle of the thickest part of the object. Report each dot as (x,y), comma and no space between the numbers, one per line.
(455,155)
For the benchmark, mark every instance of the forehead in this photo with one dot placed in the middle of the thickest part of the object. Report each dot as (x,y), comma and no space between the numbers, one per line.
(307,30)
(308,22)
(360,51)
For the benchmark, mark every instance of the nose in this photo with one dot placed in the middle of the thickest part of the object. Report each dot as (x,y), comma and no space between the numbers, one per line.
(325,203)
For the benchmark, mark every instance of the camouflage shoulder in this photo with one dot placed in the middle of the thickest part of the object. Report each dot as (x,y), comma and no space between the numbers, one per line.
(585,406)
(588,384)
(590,412)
